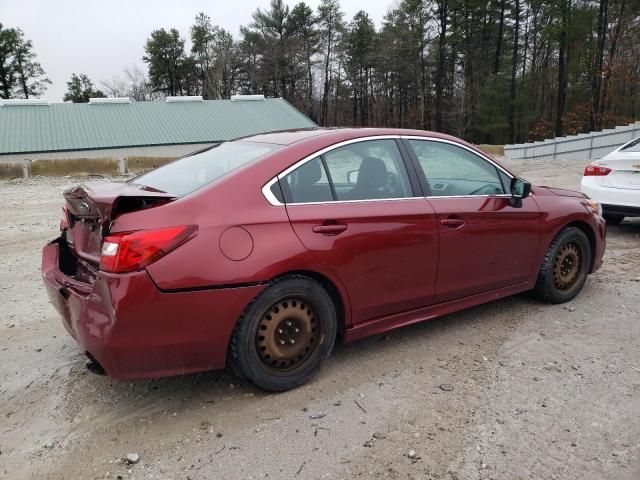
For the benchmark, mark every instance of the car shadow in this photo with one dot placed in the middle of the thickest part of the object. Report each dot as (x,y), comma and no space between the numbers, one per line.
(628,225)
(108,402)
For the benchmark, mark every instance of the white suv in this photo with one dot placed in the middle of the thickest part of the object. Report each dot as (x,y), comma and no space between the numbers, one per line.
(614,182)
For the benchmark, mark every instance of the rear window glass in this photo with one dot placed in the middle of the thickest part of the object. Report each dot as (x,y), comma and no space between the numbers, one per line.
(190,173)
(632,146)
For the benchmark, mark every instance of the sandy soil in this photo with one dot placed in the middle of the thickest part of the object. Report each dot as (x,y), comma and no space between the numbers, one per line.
(538,391)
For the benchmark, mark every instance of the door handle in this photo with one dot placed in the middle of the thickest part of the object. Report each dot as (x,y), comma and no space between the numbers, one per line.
(330,228)
(452,222)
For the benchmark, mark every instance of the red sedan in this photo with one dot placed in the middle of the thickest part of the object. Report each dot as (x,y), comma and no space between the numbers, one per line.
(259,253)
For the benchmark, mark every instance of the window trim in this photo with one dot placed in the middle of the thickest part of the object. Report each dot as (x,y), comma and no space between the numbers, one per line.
(266,189)
(334,195)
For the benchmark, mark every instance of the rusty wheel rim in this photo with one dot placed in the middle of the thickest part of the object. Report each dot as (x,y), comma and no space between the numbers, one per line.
(567,265)
(287,334)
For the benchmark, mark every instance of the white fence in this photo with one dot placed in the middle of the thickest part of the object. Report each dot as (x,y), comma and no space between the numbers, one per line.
(584,146)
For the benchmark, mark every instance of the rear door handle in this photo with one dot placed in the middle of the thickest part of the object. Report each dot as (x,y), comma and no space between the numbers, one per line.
(330,228)
(452,222)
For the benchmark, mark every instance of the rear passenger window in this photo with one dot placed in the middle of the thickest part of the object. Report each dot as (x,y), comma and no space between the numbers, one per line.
(307,183)
(277,192)
(633,146)
(368,170)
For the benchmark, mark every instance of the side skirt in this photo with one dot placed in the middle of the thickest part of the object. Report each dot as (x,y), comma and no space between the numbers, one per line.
(381,325)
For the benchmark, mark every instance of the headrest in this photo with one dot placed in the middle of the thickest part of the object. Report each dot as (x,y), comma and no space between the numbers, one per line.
(310,172)
(372,173)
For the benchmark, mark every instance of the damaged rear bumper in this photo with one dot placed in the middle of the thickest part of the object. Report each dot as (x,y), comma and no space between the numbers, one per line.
(133,330)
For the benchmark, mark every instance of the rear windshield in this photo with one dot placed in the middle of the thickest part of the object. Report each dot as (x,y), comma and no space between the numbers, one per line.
(632,146)
(190,173)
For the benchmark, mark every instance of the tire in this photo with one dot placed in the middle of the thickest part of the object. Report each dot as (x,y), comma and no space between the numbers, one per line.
(284,335)
(613,219)
(565,267)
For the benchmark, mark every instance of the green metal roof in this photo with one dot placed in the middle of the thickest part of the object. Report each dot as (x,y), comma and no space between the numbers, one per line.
(83,126)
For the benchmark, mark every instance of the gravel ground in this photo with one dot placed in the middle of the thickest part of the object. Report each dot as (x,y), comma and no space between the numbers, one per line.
(515,389)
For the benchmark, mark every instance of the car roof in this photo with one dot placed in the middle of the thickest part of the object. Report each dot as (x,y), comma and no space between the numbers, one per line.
(289,137)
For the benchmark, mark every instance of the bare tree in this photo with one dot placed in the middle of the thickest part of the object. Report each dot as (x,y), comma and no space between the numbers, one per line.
(133,84)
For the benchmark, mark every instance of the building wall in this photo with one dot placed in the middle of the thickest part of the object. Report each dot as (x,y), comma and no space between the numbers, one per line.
(584,146)
(169,151)
(112,161)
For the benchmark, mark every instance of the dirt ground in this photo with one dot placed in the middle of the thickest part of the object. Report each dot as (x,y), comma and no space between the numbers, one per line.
(537,391)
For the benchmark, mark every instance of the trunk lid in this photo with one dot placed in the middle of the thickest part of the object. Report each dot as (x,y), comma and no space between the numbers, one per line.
(92,207)
(625,171)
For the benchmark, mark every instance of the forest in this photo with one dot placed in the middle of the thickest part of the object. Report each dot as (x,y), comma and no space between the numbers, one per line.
(490,71)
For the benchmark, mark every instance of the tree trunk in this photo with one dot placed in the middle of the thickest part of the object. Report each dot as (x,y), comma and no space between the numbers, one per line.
(337,97)
(354,119)
(440,72)
(562,66)
(310,82)
(469,84)
(423,85)
(596,79)
(526,42)
(514,71)
(325,95)
(610,60)
(496,66)
(21,75)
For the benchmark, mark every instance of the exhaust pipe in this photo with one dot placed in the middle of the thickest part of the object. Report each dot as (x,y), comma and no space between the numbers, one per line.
(93,365)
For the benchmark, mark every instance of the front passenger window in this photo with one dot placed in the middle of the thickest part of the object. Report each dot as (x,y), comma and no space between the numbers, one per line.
(454,171)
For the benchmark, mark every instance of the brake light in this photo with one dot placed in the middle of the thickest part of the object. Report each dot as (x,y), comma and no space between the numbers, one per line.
(129,251)
(596,171)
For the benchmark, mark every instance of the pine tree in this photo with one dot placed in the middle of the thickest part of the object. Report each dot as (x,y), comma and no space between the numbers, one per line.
(80,89)
(21,75)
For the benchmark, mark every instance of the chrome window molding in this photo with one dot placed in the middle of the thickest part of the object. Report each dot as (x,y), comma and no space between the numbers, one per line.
(332,202)
(495,195)
(271,198)
(268,194)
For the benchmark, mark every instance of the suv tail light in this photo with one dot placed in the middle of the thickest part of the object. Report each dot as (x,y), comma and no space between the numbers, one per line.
(129,251)
(596,171)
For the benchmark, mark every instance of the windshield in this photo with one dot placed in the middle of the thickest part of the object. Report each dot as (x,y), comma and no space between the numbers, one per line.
(190,173)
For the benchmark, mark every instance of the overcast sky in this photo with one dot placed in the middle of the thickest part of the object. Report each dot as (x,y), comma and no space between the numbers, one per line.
(101,38)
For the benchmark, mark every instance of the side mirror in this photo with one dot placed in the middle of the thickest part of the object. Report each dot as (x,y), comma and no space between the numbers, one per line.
(520,188)
(352,177)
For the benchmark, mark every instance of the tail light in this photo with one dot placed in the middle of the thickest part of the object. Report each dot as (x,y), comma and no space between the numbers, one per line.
(596,171)
(129,251)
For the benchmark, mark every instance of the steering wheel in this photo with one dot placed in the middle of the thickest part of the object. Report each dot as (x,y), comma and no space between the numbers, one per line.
(487,189)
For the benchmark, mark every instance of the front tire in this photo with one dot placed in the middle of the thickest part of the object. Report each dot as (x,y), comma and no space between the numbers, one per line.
(565,267)
(284,335)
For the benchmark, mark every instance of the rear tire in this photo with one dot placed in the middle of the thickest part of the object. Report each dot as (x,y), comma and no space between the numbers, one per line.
(613,219)
(284,335)
(565,267)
